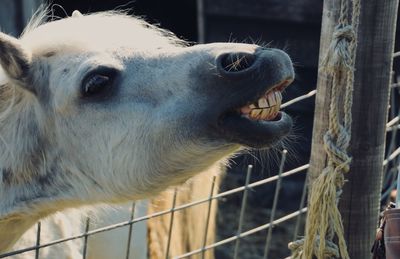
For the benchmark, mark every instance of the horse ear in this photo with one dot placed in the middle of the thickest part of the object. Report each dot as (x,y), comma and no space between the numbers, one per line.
(15,59)
(76,14)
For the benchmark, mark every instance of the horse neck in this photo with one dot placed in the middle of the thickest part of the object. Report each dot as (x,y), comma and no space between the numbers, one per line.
(17,165)
(23,204)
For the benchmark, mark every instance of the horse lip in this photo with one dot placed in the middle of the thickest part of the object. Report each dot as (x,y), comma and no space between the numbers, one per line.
(236,128)
(255,94)
(255,134)
(282,84)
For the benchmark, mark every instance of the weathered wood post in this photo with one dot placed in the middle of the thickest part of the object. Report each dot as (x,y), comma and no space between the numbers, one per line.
(359,203)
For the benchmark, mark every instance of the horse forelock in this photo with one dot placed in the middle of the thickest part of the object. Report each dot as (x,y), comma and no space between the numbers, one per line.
(102,30)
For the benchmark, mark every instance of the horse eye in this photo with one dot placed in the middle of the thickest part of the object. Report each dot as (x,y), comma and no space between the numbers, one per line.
(95,84)
(98,82)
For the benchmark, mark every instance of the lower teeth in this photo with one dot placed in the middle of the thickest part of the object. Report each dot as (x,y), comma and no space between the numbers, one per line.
(263,114)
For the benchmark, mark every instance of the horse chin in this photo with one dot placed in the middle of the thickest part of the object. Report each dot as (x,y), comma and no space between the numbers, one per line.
(259,134)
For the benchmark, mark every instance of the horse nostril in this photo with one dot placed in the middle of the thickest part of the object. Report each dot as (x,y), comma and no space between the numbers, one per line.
(236,62)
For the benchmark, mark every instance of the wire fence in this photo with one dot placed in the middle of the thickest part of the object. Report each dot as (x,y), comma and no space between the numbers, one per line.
(391,169)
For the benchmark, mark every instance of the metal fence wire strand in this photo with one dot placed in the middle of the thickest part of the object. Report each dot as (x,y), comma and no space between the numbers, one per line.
(208,217)
(242,210)
(128,245)
(39,228)
(85,238)
(298,220)
(275,203)
(171,224)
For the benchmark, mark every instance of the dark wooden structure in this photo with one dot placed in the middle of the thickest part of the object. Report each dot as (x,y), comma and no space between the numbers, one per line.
(360,201)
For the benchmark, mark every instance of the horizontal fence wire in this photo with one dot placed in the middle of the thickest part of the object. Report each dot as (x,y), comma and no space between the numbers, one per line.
(396,54)
(393,124)
(298,99)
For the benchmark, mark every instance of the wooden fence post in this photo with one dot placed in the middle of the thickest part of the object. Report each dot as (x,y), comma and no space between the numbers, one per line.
(359,203)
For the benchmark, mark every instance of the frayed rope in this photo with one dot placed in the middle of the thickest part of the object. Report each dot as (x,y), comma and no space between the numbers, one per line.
(324,222)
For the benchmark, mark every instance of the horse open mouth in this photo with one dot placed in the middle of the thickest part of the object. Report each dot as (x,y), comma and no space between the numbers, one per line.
(259,123)
(267,106)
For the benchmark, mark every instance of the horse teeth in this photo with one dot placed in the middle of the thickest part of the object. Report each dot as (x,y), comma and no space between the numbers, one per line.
(265,108)
(271,98)
(278,97)
(255,113)
(275,110)
(262,103)
(266,113)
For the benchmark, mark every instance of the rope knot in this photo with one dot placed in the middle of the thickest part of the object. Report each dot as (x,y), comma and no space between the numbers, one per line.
(337,154)
(339,56)
(344,32)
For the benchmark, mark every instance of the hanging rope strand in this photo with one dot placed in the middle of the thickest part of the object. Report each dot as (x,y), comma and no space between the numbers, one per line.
(324,223)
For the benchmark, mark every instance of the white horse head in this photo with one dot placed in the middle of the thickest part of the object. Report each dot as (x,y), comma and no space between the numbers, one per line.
(106,108)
